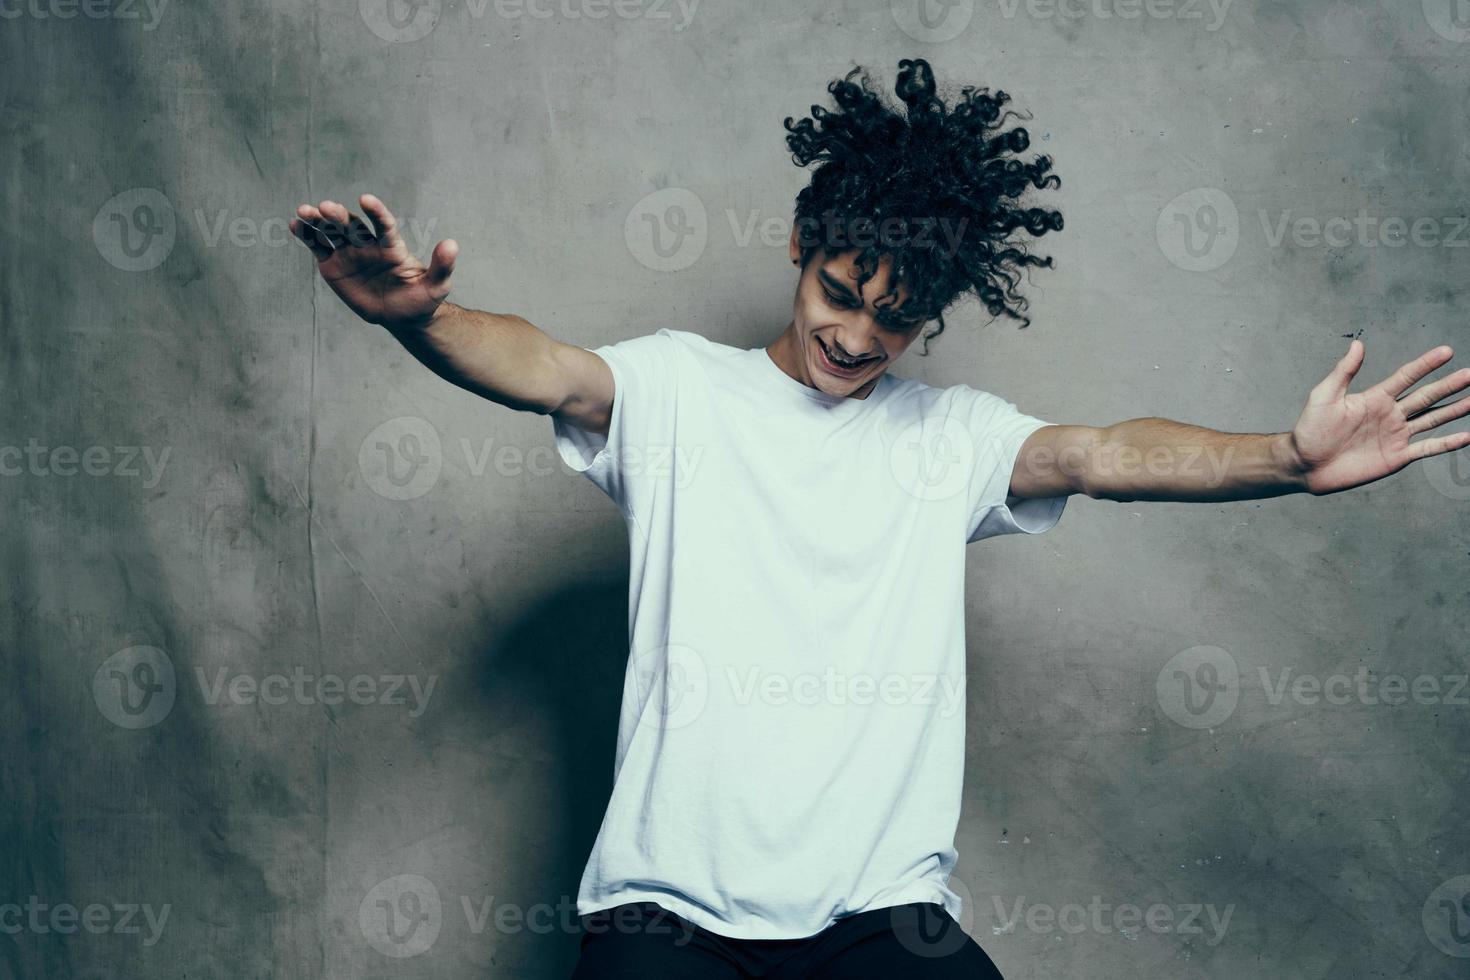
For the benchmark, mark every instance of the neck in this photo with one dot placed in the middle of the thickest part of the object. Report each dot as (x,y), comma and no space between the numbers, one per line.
(785,351)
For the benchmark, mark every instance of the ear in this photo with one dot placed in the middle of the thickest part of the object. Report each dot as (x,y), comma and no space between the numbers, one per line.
(795,248)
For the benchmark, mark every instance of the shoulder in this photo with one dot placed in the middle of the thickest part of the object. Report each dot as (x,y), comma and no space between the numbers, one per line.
(667,353)
(930,401)
(669,339)
(974,402)
(976,413)
(686,347)
(698,343)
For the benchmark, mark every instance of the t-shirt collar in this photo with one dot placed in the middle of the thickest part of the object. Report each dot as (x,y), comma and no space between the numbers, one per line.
(781,380)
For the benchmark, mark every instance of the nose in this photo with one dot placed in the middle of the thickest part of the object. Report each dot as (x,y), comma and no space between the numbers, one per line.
(854,343)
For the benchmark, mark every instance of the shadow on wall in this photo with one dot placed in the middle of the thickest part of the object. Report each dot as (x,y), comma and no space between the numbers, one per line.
(555,675)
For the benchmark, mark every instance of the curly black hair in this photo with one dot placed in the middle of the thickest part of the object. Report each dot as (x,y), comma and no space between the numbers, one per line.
(936,188)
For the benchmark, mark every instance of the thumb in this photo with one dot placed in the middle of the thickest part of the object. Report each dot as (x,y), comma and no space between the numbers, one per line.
(1335,385)
(441,266)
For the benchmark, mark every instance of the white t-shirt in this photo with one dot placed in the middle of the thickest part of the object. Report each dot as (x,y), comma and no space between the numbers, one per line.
(791,745)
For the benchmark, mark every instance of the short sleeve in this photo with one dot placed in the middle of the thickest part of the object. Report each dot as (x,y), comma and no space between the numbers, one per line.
(642,423)
(998,430)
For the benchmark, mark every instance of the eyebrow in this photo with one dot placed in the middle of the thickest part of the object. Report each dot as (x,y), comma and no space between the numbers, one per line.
(837,284)
(888,314)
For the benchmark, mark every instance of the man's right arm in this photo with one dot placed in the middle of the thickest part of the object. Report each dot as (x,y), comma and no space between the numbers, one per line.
(501,357)
(511,361)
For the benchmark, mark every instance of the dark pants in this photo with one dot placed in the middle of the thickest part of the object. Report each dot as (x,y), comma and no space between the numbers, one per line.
(642,939)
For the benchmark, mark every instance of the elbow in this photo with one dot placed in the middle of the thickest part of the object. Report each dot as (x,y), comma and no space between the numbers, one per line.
(1099,475)
(553,392)
(1085,470)
(1098,490)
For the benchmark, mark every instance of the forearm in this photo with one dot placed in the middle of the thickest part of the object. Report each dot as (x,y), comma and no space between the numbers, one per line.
(500,357)
(1160,459)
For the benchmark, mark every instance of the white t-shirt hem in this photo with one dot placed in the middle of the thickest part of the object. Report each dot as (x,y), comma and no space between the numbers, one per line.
(923,890)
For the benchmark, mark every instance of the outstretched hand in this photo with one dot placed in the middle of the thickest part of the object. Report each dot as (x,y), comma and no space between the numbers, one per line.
(1345,440)
(371,269)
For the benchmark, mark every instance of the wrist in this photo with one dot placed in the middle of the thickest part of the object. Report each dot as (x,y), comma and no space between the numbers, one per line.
(1289,462)
(423,324)
(444,309)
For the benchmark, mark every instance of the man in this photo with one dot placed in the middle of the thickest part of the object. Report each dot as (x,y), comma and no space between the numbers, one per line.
(791,745)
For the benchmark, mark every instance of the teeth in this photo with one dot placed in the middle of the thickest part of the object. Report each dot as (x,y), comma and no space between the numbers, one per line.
(842,362)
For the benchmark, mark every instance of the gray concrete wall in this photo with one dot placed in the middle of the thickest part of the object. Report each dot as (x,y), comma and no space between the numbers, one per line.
(198,428)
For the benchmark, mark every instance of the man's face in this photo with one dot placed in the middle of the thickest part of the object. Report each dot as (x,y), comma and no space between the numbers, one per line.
(833,322)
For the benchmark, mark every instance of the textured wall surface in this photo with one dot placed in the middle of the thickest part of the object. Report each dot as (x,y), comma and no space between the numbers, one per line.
(312,661)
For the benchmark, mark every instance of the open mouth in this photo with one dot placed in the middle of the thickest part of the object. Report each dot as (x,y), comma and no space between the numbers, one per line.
(840,365)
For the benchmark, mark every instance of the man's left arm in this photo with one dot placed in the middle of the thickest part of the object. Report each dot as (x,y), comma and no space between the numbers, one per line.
(1340,441)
